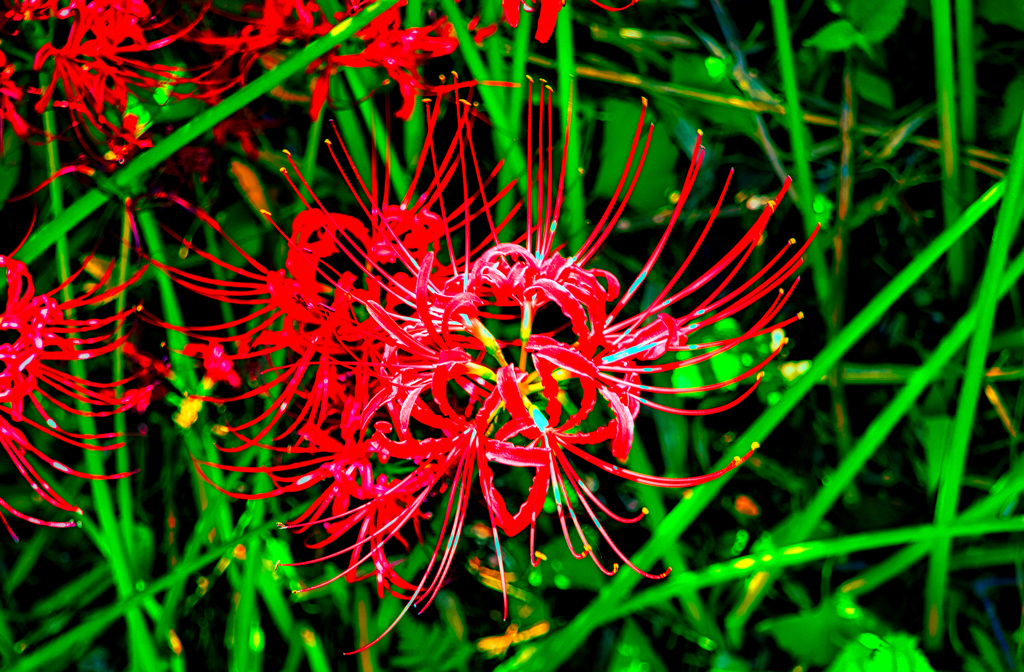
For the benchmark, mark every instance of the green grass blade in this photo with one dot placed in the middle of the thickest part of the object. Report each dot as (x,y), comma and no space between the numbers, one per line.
(1007,224)
(942,34)
(798,135)
(574,215)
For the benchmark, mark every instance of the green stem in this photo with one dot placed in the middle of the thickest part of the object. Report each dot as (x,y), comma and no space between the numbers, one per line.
(123,457)
(805,191)
(948,498)
(414,130)
(505,144)
(131,179)
(575,223)
(808,551)
(375,123)
(313,148)
(560,646)
(942,33)
(143,653)
(968,86)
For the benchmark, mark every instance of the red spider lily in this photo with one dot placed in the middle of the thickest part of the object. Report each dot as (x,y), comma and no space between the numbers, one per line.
(44,334)
(437,331)
(290,317)
(400,52)
(548,14)
(101,63)
(10,94)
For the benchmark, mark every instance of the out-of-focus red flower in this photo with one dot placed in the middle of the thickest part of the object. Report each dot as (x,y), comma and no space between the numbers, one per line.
(399,51)
(547,13)
(40,335)
(10,94)
(102,61)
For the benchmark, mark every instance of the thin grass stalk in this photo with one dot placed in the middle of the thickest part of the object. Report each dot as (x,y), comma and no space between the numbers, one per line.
(79,637)
(313,147)
(805,190)
(414,131)
(516,97)
(142,651)
(377,130)
(942,34)
(132,178)
(123,456)
(1007,224)
(967,84)
(505,144)
(808,551)
(574,214)
(561,645)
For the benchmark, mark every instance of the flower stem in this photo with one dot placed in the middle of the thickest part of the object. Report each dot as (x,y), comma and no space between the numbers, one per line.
(375,123)
(575,221)
(505,144)
(1007,224)
(143,652)
(131,179)
(942,34)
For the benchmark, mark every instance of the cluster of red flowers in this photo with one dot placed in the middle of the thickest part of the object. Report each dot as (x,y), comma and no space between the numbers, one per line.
(431,368)
(40,331)
(105,74)
(404,354)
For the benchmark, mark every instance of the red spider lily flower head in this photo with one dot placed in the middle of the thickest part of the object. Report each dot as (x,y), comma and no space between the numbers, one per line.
(465,378)
(295,315)
(400,52)
(104,61)
(547,15)
(10,95)
(42,335)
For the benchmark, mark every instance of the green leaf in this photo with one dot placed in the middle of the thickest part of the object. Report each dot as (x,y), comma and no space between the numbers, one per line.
(1013,106)
(633,652)
(837,36)
(1004,12)
(934,433)
(873,88)
(875,20)
(871,653)
(817,635)
(659,173)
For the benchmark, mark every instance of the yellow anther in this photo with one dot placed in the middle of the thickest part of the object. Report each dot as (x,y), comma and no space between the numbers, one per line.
(286,152)
(645,510)
(540,556)
(754,445)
